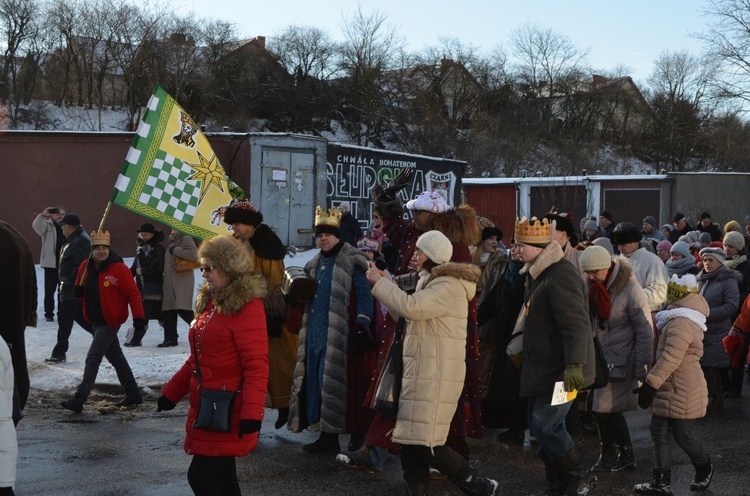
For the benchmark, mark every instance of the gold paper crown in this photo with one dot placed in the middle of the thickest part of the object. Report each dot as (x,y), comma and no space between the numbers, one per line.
(534,231)
(99,238)
(332,219)
(679,287)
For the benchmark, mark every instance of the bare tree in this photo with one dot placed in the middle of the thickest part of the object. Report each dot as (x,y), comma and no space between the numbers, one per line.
(681,104)
(727,41)
(549,68)
(18,27)
(370,47)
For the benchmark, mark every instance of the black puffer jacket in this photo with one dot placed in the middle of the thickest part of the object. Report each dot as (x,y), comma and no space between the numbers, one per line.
(150,258)
(76,249)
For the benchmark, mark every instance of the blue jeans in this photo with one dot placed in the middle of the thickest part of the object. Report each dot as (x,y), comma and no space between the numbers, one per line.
(106,344)
(547,425)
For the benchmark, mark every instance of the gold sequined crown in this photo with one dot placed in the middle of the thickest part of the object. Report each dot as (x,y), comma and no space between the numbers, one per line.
(534,231)
(679,287)
(100,238)
(330,218)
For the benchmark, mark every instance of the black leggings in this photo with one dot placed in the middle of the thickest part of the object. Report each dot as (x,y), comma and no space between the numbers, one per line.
(416,461)
(214,476)
(682,432)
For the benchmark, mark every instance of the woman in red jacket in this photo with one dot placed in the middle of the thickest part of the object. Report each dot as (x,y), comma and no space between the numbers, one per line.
(229,340)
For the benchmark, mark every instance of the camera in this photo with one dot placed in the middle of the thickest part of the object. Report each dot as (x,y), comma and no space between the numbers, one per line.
(54,210)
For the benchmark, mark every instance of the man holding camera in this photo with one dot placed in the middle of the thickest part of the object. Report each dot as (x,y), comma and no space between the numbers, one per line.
(47,226)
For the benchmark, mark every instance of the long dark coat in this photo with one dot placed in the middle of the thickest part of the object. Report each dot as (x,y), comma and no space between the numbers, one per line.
(557,331)
(18,300)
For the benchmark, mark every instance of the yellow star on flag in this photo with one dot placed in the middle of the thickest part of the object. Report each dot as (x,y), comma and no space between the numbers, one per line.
(208,172)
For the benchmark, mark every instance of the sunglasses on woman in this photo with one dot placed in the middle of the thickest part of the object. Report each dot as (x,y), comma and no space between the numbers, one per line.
(207,269)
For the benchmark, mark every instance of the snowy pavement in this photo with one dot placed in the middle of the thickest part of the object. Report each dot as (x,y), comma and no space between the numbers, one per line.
(151,366)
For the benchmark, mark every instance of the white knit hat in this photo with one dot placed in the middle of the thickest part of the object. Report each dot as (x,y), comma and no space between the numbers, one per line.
(595,258)
(435,246)
(429,201)
(734,239)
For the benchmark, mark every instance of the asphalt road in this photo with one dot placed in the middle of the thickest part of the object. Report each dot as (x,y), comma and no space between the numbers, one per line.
(107,451)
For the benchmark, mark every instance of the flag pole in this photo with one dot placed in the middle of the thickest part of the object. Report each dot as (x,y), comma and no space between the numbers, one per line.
(106,213)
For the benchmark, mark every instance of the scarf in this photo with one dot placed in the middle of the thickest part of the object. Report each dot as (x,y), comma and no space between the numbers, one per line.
(600,302)
(663,317)
(513,271)
(680,267)
(735,262)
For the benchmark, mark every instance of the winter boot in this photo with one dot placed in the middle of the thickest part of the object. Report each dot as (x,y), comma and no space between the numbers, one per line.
(661,483)
(326,443)
(282,419)
(625,458)
(704,472)
(74,404)
(417,489)
(356,441)
(137,337)
(556,482)
(579,481)
(608,454)
(132,399)
(471,485)
(360,461)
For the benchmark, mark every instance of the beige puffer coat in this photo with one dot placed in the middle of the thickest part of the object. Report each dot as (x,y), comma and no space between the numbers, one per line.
(677,375)
(434,349)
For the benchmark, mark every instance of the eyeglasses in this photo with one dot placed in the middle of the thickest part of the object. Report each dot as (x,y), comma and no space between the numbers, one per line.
(207,269)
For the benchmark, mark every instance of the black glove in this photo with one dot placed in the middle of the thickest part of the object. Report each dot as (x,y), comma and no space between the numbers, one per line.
(248,427)
(164,404)
(139,324)
(387,202)
(645,394)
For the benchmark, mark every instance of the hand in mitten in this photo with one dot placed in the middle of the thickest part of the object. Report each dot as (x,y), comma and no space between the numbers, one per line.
(164,404)
(646,395)
(248,427)
(573,377)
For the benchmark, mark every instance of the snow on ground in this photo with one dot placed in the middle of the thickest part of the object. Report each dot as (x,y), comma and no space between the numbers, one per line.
(151,366)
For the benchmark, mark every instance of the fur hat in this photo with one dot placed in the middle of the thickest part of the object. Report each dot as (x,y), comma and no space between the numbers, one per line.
(605,243)
(681,248)
(591,225)
(243,212)
(147,227)
(100,238)
(429,201)
(717,253)
(488,232)
(734,239)
(70,220)
(228,254)
(563,222)
(624,233)
(730,226)
(460,225)
(435,246)
(649,219)
(595,258)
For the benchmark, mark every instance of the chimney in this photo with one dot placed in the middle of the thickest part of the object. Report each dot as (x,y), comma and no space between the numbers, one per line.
(261,41)
(598,79)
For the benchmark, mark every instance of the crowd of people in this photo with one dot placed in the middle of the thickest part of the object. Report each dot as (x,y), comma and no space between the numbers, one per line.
(482,335)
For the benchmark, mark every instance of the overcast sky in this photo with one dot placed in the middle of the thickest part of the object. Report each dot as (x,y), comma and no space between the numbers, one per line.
(631,33)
